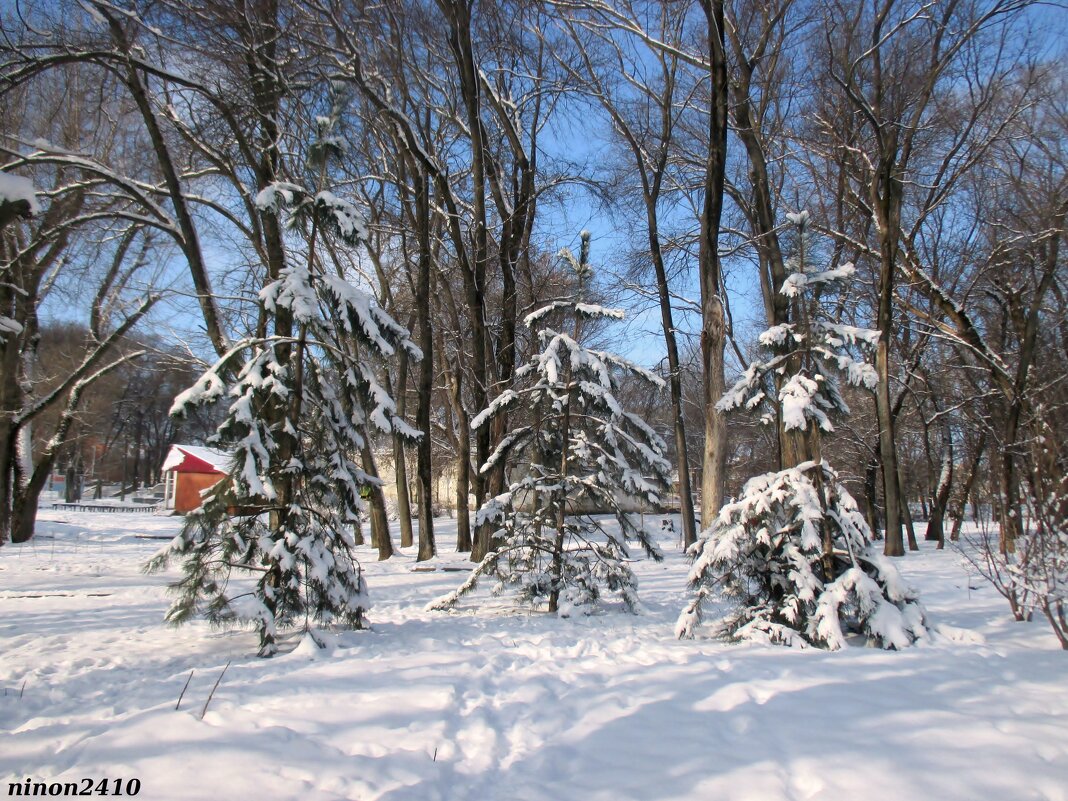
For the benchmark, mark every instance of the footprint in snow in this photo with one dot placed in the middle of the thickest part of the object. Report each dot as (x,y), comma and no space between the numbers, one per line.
(478,747)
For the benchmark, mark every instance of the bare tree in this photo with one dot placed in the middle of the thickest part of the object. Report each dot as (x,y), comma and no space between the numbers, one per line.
(86,203)
(893,63)
(643,114)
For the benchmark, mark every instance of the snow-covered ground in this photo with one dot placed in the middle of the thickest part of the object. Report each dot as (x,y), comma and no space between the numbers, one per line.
(500,705)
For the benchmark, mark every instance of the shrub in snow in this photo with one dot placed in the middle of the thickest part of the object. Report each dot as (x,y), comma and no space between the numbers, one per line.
(1033,574)
(301,407)
(581,451)
(793,557)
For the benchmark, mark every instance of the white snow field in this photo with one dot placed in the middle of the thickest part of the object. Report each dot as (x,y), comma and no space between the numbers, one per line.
(497,704)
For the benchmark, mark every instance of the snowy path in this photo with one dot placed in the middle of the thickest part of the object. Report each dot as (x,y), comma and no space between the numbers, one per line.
(521,706)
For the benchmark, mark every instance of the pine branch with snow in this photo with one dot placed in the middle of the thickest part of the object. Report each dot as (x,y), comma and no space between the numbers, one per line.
(18,198)
(811,357)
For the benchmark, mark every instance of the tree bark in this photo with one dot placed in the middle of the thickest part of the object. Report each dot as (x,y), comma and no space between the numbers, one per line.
(380,538)
(189,242)
(713,319)
(463,457)
(871,494)
(458,13)
(1008,478)
(424,468)
(404,504)
(667,323)
(461,422)
(886,191)
(969,485)
(906,512)
(26,497)
(940,500)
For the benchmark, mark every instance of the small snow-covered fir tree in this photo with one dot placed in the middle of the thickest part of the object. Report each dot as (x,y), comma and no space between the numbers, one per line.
(793,556)
(273,544)
(581,455)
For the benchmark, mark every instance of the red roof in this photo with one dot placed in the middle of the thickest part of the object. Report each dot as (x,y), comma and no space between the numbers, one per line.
(195,459)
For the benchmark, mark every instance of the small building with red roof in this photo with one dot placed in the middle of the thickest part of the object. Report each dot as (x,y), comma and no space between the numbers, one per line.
(188,471)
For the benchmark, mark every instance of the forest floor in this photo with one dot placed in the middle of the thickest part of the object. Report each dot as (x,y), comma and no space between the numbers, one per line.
(490,703)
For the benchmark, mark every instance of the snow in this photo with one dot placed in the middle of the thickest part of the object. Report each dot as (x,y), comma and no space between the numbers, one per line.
(292,291)
(204,390)
(797,283)
(799,397)
(595,310)
(9,326)
(777,335)
(496,705)
(15,188)
(277,195)
(350,223)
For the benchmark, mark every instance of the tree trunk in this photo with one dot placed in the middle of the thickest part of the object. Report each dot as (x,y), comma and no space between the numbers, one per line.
(463,457)
(906,513)
(189,241)
(969,484)
(380,538)
(463,492)
(24,509)
(1010,524)
(8,458)
(871,493)
(26,497)
(713,319)
(459,423)
(424,468)
(689,526)
(894,543)
(138,434)
(940,500)
(793,445)
(404,503)
(556,569)
(459,15)
(1012,508)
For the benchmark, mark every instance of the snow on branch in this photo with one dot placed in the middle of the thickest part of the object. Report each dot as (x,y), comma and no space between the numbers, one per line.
(19,191)
(342,216)
(796,283)
(279,195)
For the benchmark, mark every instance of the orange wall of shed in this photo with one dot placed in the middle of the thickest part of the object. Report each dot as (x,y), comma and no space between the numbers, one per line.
(188,488)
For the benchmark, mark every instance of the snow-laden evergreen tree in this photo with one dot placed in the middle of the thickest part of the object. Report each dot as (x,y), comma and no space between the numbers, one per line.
(793,557)
(273,544)
(582,456)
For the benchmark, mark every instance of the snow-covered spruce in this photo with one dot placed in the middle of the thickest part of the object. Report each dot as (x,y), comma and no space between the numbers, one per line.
(765,554)
(793,557)
(582,455)
(273,544)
